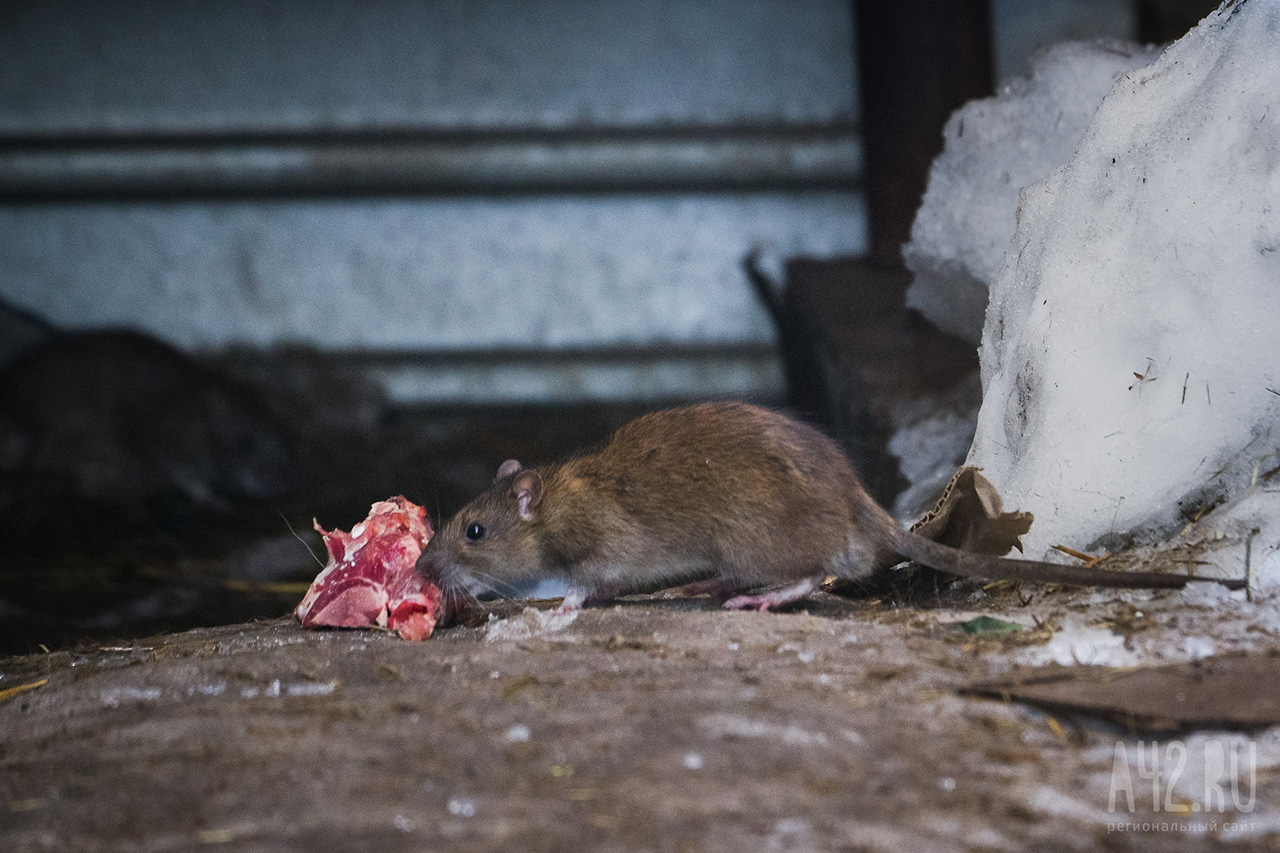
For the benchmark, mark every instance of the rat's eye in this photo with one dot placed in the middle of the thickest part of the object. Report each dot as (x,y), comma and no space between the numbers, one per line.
(475,532)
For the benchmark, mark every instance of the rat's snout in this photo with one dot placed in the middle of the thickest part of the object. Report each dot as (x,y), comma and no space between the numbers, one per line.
(433,564)
(439,565)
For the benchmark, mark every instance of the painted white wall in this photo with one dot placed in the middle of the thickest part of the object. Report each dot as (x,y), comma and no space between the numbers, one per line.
(417,273)
(81,64)
(427,273)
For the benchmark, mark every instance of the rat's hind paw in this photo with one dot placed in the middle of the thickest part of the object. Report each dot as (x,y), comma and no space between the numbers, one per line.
(777,598)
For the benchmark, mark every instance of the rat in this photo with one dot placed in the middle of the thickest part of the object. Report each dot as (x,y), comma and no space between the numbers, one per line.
(726,497)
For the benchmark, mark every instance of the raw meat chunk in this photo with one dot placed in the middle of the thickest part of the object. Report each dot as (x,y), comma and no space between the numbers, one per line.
(370,579)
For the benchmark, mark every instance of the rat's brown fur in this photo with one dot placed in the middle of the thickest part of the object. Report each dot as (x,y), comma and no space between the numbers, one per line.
(727,492)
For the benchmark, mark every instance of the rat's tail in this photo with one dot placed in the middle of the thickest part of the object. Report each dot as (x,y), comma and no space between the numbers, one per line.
(986,567)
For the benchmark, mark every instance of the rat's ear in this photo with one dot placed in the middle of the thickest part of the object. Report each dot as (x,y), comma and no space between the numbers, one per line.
(528,491)
(506,469)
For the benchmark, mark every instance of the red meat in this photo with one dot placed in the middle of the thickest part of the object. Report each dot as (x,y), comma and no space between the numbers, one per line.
(370,579)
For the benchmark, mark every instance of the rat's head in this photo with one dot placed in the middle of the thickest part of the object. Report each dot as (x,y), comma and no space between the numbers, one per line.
(492,542)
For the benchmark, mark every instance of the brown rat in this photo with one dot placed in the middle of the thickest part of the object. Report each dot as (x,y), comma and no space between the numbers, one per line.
(732,495)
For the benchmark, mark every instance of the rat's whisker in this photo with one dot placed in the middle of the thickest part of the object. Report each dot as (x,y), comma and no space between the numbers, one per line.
(296,535)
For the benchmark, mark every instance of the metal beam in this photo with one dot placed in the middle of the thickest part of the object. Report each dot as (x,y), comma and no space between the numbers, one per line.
(166,166)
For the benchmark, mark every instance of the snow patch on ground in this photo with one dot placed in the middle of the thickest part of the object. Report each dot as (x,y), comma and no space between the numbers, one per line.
(530,623)
(1082,644)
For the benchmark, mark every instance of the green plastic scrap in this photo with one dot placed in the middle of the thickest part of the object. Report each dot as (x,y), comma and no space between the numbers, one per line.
(988,627)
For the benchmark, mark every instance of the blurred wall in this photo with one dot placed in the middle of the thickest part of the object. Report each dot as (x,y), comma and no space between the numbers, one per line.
(435,179)
(166,168)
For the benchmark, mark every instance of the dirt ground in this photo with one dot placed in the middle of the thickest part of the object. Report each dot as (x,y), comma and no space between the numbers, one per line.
(658,724)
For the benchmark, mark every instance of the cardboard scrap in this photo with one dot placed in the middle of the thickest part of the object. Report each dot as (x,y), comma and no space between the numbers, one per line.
(970,516)
(1225,691)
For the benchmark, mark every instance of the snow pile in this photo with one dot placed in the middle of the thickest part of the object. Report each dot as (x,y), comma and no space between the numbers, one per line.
(995,147)
(1131,352)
